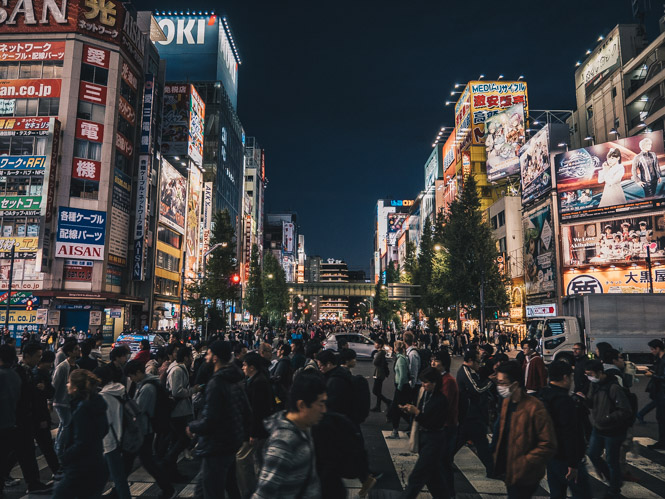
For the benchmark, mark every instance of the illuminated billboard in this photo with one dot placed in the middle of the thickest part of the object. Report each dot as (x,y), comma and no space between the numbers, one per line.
(196,127)
(615,241)
(539,253)
(504,137)
(175,121)
(198,48)
(489,98)
(602,63)
(193,216)
(173,192)
(623,175)
(617,280)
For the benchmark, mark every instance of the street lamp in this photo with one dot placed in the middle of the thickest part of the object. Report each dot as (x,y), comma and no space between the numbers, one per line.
(437,247)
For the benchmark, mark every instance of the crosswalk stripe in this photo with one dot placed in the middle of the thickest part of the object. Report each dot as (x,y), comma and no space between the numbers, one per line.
(629,490)
(188,491)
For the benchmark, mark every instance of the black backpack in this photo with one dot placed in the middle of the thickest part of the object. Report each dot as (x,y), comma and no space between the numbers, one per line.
(425,359)
(361,399)
(132,434)
(164,405)
(339,444)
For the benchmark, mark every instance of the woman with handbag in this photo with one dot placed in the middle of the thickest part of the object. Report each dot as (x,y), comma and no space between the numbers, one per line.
(428,438)
(402,388)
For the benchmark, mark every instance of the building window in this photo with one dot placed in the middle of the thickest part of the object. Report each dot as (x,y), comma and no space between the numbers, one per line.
(124,127)
(21,186)
(22,146)
(501,218)
(87,150)
(167,262)
(614,92)
(128,93)
(589,112)
(166,287)
(501,245)
(94,74)
(35,107)
(168,236)
(91,112)
(86,189)
(27,70)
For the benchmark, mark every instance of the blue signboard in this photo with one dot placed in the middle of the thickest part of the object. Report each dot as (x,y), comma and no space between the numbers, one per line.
(22,162)
(76,225)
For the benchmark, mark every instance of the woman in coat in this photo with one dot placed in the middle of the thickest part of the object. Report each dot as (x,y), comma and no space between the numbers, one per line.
(82,450)
(402,388)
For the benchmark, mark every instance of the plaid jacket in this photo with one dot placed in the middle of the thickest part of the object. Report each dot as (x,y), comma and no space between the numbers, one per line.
(288,462)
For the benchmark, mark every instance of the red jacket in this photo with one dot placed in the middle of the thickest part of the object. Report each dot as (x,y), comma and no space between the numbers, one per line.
(142,355)
(535,376)
(451,391)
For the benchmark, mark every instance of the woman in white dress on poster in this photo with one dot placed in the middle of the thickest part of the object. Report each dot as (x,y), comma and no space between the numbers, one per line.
(611,174)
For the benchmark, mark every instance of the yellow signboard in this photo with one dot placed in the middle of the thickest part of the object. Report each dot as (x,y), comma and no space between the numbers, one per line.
(22,317)
(22,244)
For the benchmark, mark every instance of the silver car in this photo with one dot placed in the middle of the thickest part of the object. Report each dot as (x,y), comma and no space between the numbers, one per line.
(362,345)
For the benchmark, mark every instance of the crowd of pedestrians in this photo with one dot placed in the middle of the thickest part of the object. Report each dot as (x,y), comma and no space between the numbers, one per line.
(271,414)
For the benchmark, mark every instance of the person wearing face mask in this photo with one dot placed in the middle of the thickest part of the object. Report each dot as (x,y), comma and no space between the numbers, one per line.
(611,415)
(566,469)
(527,440)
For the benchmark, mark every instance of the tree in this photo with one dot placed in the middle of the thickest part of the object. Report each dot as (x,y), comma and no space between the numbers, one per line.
(471,256)
(220,267)
(254,298)
(424,275)
(275,290)
(195,302)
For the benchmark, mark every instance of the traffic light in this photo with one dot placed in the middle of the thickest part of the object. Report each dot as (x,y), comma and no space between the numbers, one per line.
(28,305)
(235,279)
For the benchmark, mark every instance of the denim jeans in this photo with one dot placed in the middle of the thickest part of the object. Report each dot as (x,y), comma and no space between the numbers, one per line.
(64,416)
(429,467)
(117,473)
(610,468)
(476,431)
(217,475)
(556,479)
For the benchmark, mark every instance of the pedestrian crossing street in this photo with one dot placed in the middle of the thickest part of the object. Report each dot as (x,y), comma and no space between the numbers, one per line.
(646,465)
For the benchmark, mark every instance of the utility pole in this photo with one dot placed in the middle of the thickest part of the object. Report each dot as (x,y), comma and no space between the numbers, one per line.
(482,302)
(648,267)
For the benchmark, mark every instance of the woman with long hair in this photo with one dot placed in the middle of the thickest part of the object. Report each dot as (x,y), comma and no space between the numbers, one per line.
(402,388)
(82,451)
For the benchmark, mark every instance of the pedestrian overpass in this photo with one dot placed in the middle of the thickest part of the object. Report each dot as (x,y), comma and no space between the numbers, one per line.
(346,289)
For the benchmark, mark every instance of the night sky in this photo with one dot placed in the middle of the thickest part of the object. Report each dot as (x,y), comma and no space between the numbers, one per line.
(346,97)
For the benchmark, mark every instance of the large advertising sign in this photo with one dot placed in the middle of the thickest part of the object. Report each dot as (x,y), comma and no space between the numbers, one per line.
(32,165)
(172,198)
(535,167)
(193,219)
(36,50)
(287,237)
(196,126)
(140,217)
(30,89)
(623,175)
(119,227)
(81,234)
(615,241)
(395,224)
(601,65)
(197,48)
(13,126)
(539,254)
(504,138)
(206,217)
(489,98)
(175,131)
(617,280)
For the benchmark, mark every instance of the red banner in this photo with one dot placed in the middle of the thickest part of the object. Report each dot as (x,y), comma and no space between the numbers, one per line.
(32,51)
(86,169)
(129,77)
(88,130)
(21,89)
(90,92)
(126,110)
(124,145)
(24,124)
(96,56)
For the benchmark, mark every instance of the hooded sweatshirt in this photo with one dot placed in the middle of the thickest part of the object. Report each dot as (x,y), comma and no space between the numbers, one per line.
(177,382)
(111,393)
(289,465)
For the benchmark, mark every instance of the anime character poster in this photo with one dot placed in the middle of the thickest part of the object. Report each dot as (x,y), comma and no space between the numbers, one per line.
(172,198)
(539,253)
(504,137)
(623,175)
(535,171)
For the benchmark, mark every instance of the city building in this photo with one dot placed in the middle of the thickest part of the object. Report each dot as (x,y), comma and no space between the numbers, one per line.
(73,79)
(329,307)
(255,178)
(280,236)
(391,214)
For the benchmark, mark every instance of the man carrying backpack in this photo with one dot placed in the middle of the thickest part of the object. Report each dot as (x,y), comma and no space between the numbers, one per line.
(611,416)
(413,356)
(114,394)
(152,399)
(339,384)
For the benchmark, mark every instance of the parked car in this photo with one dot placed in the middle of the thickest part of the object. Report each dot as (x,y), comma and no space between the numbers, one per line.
(133,341)
(362,345)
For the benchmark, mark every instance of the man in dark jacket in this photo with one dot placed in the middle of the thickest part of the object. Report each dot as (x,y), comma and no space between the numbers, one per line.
(10,391)
(657,390)
(567,468)
(261,399)
(41,377)
(580,358)
(473,408)
(223,426)
(381,372)
(339,384)
(611,416)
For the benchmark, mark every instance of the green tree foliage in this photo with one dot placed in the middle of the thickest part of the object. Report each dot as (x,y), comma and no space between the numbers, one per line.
(195,302)
(275,290)
(220,267)
(254,298)
(470,254)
